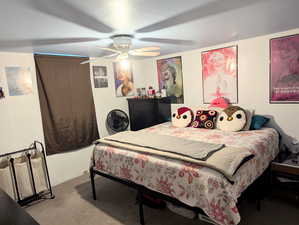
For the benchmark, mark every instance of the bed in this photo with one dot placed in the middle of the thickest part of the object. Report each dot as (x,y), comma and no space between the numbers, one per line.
(191,184)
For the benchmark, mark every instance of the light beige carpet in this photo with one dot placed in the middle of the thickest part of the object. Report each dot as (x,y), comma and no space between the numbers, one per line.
(74,205)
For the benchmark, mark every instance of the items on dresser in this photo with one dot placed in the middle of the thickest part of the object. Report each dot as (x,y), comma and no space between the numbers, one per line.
(148,112)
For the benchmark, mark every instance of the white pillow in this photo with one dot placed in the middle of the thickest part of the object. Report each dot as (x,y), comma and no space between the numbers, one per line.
(232,118)
(249,115)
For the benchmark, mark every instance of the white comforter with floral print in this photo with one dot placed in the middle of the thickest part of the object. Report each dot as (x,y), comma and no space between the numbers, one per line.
(192,184)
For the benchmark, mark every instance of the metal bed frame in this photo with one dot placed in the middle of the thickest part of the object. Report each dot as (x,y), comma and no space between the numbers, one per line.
(35,196)
(257,185)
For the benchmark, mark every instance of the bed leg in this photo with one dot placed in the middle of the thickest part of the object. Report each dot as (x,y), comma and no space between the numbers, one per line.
(92,174)
(141,213)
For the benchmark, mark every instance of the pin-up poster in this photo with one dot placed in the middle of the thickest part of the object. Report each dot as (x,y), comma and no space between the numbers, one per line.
(124,83)
(284,69)
(170,78)
(220,74)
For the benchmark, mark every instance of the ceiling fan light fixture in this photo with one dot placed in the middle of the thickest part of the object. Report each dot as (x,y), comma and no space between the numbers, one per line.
(124,64)
(122,41)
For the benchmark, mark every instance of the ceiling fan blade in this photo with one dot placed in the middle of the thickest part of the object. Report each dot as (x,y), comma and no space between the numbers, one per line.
(5,44)
(108,56)
(144,53)
(89,61)
(111,50)
(66,11)
(208,9)
(145,49)
(168,41)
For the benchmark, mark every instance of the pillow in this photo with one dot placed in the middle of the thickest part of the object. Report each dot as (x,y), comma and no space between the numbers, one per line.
(182,117)
(258,122)
(205,119)
(233,118)
(249,115)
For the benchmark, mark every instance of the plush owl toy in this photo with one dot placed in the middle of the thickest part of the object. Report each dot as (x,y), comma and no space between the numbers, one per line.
(183,117)
(232,118)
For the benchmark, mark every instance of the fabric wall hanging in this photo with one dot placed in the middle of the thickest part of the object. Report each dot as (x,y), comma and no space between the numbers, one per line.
(220,72)
(284,69)
(170,77)
(66,100)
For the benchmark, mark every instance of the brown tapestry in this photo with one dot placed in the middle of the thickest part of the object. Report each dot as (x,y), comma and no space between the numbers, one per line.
(66,101)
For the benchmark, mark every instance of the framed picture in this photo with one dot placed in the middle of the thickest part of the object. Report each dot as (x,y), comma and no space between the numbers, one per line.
(100,76)
(284,69)
(220,74)
(123,76)
(170,77)
(19,80)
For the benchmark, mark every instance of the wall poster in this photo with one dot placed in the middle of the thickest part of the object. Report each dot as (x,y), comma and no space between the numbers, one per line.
(284,69)
(220,74)
(170,77)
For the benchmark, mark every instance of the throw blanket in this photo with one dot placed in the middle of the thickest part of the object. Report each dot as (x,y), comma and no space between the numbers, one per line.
(166,143)
(226,160)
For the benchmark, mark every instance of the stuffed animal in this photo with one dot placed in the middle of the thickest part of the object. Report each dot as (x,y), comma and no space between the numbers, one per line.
(232,118)
(183,117)
(219,101)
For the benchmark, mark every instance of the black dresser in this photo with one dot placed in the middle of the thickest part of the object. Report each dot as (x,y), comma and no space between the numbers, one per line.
(148,112)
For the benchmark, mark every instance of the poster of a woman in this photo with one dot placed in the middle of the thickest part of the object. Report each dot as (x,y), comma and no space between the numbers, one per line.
(219,73)
(170,77)
(284,69)
(124,84)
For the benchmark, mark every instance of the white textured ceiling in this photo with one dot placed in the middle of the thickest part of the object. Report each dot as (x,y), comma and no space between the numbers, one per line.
(79,26)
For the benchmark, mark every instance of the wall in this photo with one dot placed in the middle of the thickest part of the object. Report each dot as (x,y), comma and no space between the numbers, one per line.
(105,98)
(253,81)
(20,118)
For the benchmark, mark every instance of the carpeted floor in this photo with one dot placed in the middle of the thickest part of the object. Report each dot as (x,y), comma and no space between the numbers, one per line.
(73,205)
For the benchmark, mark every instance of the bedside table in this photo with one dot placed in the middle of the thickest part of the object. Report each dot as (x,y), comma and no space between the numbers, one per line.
(287,171)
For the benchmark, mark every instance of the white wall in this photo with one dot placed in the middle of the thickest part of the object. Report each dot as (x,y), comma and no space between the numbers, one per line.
(21,124)
(105,98)
(253,80)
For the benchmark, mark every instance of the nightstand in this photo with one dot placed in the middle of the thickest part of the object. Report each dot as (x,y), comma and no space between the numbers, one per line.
(286,171)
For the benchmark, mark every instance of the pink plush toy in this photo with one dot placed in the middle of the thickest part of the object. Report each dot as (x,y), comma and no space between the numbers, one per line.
(219,101)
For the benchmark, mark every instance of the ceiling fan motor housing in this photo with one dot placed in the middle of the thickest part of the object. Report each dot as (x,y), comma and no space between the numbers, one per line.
(122,42)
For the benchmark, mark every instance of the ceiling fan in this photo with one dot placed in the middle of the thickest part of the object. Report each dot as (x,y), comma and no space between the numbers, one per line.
(122,44)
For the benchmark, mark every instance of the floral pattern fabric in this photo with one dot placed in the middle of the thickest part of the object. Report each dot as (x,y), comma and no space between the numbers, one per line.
(190,183)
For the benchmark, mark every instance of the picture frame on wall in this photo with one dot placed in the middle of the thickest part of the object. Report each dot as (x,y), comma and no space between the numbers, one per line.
(284,69)
(170,78)
(123,77)
(220,74)
(100,77)
(19,80)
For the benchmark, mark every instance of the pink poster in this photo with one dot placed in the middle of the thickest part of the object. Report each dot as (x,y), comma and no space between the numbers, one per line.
(284,69)
(219,73)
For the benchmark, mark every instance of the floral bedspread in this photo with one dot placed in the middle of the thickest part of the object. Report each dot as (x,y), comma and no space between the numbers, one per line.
(192,184)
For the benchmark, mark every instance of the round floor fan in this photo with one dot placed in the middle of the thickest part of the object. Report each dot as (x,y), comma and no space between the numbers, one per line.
(117,120)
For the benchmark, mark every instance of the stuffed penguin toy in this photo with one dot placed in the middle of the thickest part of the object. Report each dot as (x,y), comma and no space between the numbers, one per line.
(232,118)
(183,117)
